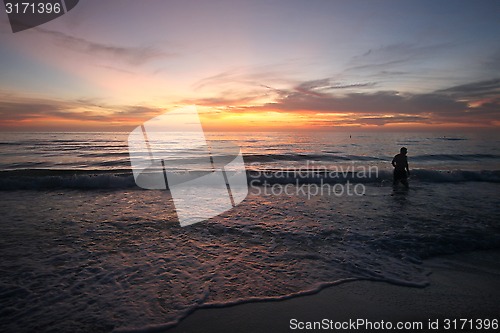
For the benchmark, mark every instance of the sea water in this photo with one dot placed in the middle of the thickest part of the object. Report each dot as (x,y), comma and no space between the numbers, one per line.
(83,248)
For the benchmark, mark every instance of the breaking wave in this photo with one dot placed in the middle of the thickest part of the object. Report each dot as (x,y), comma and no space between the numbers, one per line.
(39,179)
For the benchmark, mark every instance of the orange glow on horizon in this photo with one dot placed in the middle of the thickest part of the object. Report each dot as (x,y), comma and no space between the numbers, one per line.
(96,118)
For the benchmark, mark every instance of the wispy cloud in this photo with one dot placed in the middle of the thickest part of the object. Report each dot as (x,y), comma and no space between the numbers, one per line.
(481,89)
(250,76)
(357,120)
(236,87)
(18,109)
(393,54)
(326,96)
(131,55)
(322,86)
(322,102)
(382,102)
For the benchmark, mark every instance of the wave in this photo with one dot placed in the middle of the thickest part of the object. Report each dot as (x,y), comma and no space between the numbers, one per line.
(326,157)
(335,156)
(452,139)
(369,175)
(41,179)
(454,157)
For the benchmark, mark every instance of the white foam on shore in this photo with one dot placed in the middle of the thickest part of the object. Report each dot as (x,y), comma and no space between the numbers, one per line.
(118,260)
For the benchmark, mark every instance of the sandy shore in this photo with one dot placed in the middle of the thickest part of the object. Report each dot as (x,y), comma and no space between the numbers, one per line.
(461,286)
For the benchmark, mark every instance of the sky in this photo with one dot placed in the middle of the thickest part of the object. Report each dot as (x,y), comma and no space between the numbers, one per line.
(256,65)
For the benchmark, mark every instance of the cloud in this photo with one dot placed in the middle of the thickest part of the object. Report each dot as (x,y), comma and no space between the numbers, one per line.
(378,120)
(116,69)
(382,102)
(136,111)
(131,55)
(351,120)
(387,56)
(250,76)
(17,109)
(376,66)
(319,87)
(326,96)
(287,99)
(323,102)
(481,89)
(389,64)
(221,101)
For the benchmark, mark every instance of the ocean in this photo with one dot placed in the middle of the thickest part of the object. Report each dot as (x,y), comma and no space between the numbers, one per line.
(84,248)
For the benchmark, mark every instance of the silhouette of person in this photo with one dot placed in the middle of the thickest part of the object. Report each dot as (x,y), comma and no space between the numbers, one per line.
(401,170)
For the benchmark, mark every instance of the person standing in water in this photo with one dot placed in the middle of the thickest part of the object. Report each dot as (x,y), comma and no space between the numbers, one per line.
(401,170)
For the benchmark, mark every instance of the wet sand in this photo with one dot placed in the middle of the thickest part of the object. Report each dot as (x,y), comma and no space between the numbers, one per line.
(461,286)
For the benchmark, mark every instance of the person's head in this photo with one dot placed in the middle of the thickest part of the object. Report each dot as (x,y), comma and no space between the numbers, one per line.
(403,150)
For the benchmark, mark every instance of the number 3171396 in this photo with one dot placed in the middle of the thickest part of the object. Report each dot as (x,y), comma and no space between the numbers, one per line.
(32,8)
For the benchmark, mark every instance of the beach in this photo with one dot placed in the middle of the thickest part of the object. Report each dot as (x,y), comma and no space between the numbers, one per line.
(103,260)
(321,234)
(462,286)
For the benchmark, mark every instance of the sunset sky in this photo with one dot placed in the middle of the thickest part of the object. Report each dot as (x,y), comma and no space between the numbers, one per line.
(256,65)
